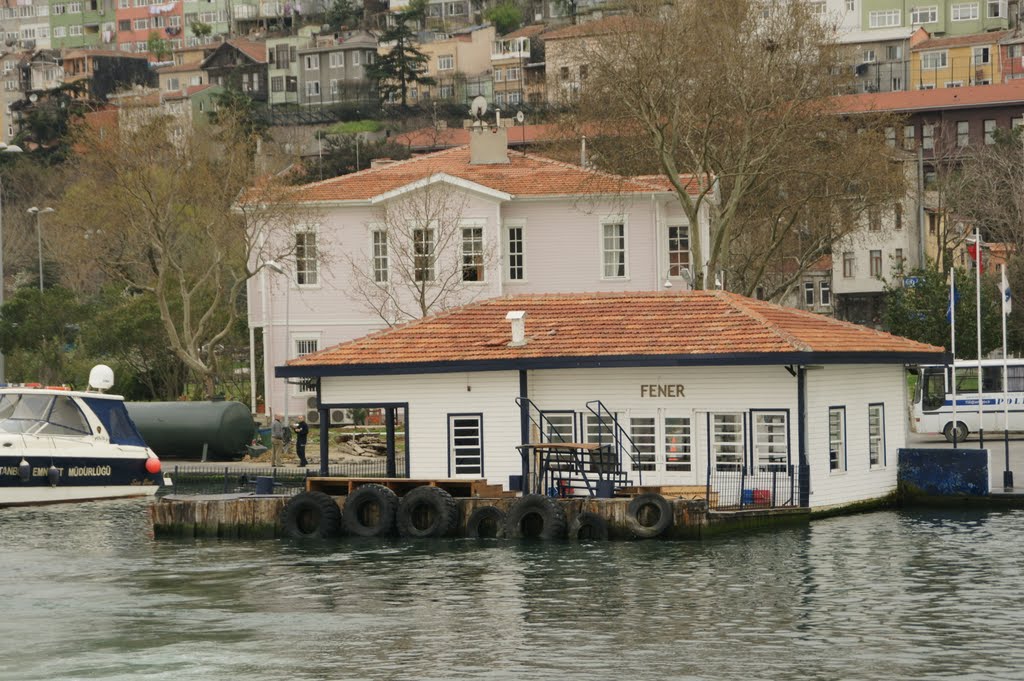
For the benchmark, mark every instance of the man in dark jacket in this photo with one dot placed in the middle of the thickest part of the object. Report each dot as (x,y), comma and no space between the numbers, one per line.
(301,432)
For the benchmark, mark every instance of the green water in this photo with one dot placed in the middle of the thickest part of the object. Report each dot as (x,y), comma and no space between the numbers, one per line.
(86,593)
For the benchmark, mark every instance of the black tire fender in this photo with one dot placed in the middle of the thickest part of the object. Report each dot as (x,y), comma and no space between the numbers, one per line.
(486,522)
(588,527)
(427,511)
(311,515)
(370,511)
(537,517)
(649,515)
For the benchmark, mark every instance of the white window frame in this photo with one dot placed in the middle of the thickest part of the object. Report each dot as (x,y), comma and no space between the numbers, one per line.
(140,24)
(677,453)
(355,58)
(428,270)
(499,74)
(675,270)
(610,221)
(989,127)
(306,385)
(470,452)
(445,62)
(809,293)
(876,265)
(510,266)
(643,431)
(986,55)
(312,88)
(311,62)
(935,59)
(336,60)
(964,11)
(727,454)
(885,18)
(770,441)
(307,266)
(379,256)
(825,293)
(837,440)
(924,15)
(75,30)
(1001,9)
(876,438)
(472,237)
(512,74)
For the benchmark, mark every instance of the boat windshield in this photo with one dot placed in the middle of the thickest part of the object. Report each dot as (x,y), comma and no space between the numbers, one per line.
(41,415)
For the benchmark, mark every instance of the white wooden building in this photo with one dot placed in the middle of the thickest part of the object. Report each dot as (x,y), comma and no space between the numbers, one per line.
(691,387)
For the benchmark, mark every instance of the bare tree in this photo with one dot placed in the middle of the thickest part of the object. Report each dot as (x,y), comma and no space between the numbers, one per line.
(159,210)
(425,257)
(738,91)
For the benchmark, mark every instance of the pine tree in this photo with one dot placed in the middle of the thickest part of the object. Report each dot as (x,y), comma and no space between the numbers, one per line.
(404,65)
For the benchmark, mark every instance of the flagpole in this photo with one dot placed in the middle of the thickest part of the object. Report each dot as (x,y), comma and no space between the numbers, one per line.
(977,310)
(1004,299)
(952,348)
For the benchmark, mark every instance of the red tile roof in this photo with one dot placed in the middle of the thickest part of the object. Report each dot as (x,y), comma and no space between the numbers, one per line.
(431,138)
(592,325)
(940,98)
(991,37)
(525,32)
(254,50)
(524,175)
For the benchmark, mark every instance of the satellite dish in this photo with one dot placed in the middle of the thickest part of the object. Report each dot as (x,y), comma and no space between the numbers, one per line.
(478,108)
(520,117)
(101,377)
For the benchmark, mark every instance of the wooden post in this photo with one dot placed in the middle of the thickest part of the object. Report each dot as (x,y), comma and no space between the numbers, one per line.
(325,415)
(390,423)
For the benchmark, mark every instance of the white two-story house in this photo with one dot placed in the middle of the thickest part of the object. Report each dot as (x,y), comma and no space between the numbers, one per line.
(524,224)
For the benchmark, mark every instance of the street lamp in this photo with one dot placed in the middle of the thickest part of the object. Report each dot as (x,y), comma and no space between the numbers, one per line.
(283,269)
(4,149)
(39,239)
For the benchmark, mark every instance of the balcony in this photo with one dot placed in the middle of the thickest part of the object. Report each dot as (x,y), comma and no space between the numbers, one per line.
(517,48)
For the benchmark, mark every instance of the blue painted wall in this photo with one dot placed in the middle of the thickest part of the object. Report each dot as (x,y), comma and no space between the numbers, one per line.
(945,472)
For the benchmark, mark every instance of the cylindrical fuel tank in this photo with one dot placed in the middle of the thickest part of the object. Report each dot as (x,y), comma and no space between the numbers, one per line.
(180,429)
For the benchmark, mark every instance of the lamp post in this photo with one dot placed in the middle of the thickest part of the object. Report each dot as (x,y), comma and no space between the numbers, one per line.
(4,149)
(282,269)
(34,210)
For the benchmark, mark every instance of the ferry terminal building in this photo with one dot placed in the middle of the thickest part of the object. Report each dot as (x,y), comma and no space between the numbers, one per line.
(701,388)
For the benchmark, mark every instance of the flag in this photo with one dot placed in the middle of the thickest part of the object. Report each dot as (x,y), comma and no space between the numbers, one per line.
(1007,297)
(977,256)
(954,297)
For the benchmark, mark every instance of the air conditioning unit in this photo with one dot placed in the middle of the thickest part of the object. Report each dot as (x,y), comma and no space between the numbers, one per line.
(311,403)
(337,417)
(313,417)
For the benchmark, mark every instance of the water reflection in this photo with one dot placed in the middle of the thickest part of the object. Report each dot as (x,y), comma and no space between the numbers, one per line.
(88,594)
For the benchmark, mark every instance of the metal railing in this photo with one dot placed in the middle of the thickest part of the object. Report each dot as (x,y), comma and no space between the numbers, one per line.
(229,479)
(621,441)
(753,487)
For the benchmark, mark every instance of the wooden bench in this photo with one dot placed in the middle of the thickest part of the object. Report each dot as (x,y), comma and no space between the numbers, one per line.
(671,492)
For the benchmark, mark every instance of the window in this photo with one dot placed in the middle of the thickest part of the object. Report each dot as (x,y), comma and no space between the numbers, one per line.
(727,442)
(836,439)
(281,58)
(924,15)
(876,435)
(312,62)
(896,83)
(277,84)
(898,259)
(472,254)
(678,250)
(515,97)
(76,29)
(513,73)
(771,447)
(928,136)
(423,254)
(884,18)
(909,141)
(334,87)
(370,56)
(336,60)
(445,62)
(825,292)
(848,264)
(355,58)
(380,256)
(644,433)
(312,88)
(890,137)
(140,24)
(515,253)
(172,84)
(997,9)
(982,55)
(963,11)
(1017,122)
(465,444)
(499,75)
(963,133)
(894,52)
(876,263)
(60,9)
(499,99)
(678,444)
(874,219)
(159,22)
(851,5)
(306,267)
(936,59)
(456,9)
(809,293)
(613,249)
(868,57)
(897,216)
(124,25)
(446,91)
(990,131)
(305,346)
(140,45)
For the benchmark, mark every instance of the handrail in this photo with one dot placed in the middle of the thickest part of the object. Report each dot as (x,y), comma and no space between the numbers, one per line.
(618,435)
(541,421)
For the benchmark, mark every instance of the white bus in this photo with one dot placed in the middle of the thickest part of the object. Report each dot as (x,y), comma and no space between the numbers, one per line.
(933,397)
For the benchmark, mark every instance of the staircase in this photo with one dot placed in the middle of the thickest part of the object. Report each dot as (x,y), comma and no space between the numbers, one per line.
(566,468)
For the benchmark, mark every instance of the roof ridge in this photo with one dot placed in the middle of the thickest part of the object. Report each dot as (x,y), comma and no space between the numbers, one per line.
(733,301)
(371,170)
(592,171)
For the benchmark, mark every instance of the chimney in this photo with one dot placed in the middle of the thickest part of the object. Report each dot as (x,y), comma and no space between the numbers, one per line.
(518,319)
(488,142)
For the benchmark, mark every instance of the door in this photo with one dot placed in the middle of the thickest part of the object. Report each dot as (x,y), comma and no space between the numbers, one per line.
(664,447)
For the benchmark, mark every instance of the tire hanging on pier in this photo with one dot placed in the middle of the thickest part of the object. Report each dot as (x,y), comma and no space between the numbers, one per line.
(370,511)
(535,516)
(588,527)
(427,511)
(486,522)
(311,515)
(649,515)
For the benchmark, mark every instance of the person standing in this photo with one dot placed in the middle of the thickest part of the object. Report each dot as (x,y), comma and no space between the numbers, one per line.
(301,433)
(276,441)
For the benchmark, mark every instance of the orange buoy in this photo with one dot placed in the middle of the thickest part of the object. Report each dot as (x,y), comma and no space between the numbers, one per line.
(153,465)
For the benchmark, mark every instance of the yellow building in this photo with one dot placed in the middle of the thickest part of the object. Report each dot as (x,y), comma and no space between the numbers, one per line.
(956,61)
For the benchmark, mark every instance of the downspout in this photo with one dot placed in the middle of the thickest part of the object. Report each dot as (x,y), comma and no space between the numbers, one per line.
(268,366)
(657,245)
(922,254)
(524,423)
(500,231)
(325,417)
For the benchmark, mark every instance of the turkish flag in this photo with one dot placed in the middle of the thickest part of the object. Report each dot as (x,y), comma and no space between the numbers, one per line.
(972,250)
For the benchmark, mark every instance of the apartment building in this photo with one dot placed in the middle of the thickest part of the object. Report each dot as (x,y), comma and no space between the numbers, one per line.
(517,67)
(957,61)
(459,62)
(333,68)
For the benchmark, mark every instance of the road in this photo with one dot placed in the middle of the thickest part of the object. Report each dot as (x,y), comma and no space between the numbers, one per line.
(994,442)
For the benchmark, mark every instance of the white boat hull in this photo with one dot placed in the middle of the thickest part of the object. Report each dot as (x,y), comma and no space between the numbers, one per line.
(33,496)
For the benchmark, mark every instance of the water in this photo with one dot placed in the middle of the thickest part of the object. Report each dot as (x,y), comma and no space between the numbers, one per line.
(86,593)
